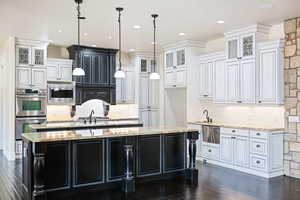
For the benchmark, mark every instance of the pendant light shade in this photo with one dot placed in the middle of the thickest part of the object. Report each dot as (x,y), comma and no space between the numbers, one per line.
(119,73)
(78,71)
(154,75)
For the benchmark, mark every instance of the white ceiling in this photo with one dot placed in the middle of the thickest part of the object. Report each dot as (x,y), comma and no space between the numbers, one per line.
(41,19)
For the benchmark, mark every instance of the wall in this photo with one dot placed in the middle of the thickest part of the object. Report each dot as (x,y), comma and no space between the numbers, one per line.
(1,97)
(292,95)
(54,51)
(7,102)
(234,114)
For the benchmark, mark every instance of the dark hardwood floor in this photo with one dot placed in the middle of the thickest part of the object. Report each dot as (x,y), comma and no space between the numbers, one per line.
(214,183)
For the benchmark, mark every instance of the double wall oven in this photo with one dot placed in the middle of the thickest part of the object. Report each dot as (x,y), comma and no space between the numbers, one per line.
(31,108)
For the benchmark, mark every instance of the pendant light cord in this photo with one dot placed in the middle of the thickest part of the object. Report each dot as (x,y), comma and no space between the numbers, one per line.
(119,21)
(154,40)
(78,34)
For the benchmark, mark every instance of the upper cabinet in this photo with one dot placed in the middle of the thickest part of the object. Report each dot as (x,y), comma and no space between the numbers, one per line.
(240,47)
(31,56)
(59,69)
(125,90)
(178,57)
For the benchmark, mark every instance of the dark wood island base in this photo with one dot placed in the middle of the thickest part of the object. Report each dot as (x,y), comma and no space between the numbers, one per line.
(72,162)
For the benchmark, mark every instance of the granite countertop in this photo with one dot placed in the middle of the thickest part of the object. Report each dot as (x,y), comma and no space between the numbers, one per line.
(79,124)
(101,133)
(239,126)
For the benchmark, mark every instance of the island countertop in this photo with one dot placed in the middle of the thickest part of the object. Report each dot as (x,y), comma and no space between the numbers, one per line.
(54,136)
(68,125)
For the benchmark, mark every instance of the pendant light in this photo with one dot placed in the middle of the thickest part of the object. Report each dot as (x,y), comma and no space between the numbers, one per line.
(154,75)
(78,71)
(119,73)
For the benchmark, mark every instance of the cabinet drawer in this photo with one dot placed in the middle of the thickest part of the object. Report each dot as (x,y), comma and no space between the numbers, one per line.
(210,152)
(258,146)
(258,134)
(235,131)
(258,162)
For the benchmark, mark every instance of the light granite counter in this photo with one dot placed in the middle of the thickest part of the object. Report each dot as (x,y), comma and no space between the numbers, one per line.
(37,137)
(239,126)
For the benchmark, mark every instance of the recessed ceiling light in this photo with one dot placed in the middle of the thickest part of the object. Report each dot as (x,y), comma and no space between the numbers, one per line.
(59,31)
(136,26)
(181,34)
(131,50)
(93,45)
(85,34)
(109,37)
(220,22)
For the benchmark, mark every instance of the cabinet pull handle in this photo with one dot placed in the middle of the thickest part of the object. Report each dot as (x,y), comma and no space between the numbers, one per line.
(258,134)
(239,101)
(259,101)
(257,146)
(174,85)
(257,162)
(233,137)
(233,131)
(205,95)
(209,150)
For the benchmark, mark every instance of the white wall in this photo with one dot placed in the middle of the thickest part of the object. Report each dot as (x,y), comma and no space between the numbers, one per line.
(7,101)
(233,114)
(1,97)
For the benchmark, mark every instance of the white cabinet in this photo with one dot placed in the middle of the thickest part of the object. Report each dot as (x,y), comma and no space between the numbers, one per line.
(149,117)
(125,90)
(28,77)
(241,151)
(226,148)
(59,70)
(30,55)
(144,91)
(247,81)
(220,81)
(240,47)
(271,73)
(233,82)
(175,68)
(206,79)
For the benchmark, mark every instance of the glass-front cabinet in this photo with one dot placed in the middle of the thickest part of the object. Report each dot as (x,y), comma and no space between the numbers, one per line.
(30,56)
(240,47)
(180,57)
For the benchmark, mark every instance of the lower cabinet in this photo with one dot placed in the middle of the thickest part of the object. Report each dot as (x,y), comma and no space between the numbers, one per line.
(92,173)
(57,163)
(149,117)
(226,148)
(149,155)
(174,152)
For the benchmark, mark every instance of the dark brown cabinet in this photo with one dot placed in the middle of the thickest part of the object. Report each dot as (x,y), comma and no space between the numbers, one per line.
(115,161)
(99,65)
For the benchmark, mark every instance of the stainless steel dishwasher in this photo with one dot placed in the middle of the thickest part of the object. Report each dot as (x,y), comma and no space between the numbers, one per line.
(211,134)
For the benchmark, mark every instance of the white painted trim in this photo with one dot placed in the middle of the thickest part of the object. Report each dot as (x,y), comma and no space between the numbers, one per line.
(59,60)
(185,43)
(271,44)
(261,28)
(213,56)
(31,42)
(147,54)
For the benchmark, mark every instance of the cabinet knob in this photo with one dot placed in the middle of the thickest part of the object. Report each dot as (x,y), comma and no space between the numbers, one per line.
(174,85)
(257,162)
(233,131)
(259,101)
(205,95)
(258,134)
(209,150)
(257,146)
(239,101)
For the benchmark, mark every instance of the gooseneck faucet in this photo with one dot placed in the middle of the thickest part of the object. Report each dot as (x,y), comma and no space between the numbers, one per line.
(205,111)
(91,115)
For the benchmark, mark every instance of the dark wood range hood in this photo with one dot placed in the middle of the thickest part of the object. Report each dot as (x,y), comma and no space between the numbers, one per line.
(99,65)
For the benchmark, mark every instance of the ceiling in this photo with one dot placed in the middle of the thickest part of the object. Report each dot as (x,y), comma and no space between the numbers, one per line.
(42,19)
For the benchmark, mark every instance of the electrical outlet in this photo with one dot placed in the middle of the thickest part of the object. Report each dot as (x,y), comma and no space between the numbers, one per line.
(294,119)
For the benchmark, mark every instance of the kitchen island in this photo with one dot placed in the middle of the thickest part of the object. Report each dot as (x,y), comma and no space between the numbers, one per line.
(70,162)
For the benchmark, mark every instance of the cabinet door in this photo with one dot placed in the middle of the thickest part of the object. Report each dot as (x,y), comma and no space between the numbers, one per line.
(87,67)
(23,55)
(144,117)
(154,118)
(23,77)
(119,91)
(144,65)
(115,159)
(144,91)
(180,77)
(247,46)
(170,60)
(203,72)
(241,151)
(232,48)
(39,78)
(38,56)
(210,68)
(65,72)
(100,69)
(180,58)
(129,88)
(220,81)
(226,148)
(233,82)
(154,94)
(52,72)
(170,79)
(267,78)
(247,81)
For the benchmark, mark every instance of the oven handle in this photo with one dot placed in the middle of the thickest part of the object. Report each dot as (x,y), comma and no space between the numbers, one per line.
(31,118)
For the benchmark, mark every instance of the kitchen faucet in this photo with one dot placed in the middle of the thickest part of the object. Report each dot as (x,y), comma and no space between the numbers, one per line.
(205,111)
(91,115)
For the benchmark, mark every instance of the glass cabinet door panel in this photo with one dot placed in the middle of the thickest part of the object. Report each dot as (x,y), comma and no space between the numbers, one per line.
(181,57)
(232,49)
(39,56)
(23,55)
(247,46)
(143,65)
(169,60)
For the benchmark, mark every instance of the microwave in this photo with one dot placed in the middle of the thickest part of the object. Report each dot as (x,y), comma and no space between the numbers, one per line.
(61,93)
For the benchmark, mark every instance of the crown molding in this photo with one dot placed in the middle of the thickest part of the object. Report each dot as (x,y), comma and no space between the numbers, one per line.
(185,43)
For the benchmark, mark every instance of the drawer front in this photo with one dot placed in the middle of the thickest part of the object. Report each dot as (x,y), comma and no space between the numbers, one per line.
(258,146)
(258,162)
(235,131)
(210,152)
(259,134)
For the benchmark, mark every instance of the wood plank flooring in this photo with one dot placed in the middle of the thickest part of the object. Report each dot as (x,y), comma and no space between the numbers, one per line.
(215,183)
